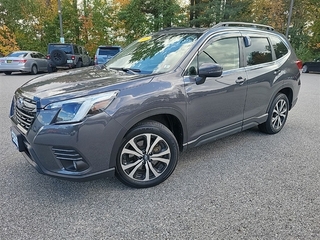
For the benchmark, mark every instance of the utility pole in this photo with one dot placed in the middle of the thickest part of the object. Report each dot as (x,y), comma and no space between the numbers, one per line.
(289,18)
(60,20)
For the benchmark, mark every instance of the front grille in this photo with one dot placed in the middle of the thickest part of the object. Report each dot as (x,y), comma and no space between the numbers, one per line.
(66,154)
(25,112)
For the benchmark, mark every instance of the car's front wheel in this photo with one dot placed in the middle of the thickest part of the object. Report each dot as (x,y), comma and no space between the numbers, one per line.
(147,156)
(277,115)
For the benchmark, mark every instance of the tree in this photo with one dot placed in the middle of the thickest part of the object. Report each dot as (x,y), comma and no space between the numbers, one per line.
(141,17)
(7,40)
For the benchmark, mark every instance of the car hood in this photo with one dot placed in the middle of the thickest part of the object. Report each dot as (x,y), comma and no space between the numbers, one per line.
(75,83)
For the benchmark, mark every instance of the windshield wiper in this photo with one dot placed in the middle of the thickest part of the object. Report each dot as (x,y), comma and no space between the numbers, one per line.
(128,70)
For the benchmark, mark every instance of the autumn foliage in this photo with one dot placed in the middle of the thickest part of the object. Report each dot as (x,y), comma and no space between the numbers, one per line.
(32,24)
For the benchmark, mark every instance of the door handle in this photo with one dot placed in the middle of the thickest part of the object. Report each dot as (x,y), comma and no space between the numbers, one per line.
(240,80)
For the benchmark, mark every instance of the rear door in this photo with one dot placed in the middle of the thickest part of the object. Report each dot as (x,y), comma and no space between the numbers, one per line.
(264,75)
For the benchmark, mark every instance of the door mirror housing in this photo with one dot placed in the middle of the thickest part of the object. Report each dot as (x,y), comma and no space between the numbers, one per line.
(208,70)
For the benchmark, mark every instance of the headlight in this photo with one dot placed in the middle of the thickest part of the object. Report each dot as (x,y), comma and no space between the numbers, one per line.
(74,110)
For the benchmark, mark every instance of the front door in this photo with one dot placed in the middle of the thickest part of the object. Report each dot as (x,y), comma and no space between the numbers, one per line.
(215,108)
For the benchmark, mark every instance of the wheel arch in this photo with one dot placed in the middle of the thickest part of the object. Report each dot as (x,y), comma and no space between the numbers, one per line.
(289,93)
(169,118)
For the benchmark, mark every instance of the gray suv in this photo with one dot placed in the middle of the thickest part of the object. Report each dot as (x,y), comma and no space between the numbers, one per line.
(68,55)
(172,90)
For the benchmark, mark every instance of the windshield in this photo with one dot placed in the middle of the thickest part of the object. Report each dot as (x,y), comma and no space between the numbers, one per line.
(154,54)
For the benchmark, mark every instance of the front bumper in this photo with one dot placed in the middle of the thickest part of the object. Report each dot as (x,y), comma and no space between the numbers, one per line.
(77,152)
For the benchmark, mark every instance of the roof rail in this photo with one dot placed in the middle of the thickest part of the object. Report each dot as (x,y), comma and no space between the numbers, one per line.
(243,24)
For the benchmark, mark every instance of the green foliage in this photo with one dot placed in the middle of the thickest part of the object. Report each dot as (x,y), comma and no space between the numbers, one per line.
(141,17)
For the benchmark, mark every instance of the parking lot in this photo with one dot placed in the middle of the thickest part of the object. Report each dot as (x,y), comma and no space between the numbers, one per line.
(247,186)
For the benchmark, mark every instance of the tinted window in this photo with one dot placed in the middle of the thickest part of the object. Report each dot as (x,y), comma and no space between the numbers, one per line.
(40,55)
(108,51)
(64,47)
(75,49)
(279,47)
(224,52)
(259,51)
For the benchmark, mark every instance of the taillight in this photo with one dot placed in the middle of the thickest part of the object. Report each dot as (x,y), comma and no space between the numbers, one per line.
(20,61)
(2,61)
(73,57)
(299,64)
(48,56)
(95,60)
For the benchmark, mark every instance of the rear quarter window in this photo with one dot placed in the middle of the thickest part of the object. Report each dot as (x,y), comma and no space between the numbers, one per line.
(279,47)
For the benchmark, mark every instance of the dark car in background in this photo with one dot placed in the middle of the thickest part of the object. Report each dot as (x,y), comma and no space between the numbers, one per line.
(313,66)
(68,55)
(25,61)
(166,92)
(105,53)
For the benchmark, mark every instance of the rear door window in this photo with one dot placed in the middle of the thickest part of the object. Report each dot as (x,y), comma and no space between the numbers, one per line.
(258,52)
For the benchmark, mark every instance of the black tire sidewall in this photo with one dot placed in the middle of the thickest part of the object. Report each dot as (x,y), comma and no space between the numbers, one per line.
(32,71)
(58,57)
(158,129)
(270,129)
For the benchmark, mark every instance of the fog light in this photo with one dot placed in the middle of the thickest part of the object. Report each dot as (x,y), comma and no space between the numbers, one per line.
(80,166)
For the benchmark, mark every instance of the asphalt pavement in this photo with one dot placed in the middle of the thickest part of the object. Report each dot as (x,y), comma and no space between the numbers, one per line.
(246,186)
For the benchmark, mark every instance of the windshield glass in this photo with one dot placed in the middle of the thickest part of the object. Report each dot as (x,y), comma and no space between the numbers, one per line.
(154,54)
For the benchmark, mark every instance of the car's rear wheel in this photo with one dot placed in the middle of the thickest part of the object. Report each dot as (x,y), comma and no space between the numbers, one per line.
(34,69)
(305,69)
(7,73)
(147,156)
(277,115)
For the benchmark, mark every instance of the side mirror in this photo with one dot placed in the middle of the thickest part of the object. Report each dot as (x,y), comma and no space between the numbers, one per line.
(208,70)
(247,41)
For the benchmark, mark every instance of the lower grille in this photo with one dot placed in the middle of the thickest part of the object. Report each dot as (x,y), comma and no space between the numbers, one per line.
(70,159)
(66,154)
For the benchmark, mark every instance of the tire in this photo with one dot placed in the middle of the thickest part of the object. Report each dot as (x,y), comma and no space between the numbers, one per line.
(79,64)
(34,69)
(58,57)
(139,167)
(7,73)
(305,69)
(277,115)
